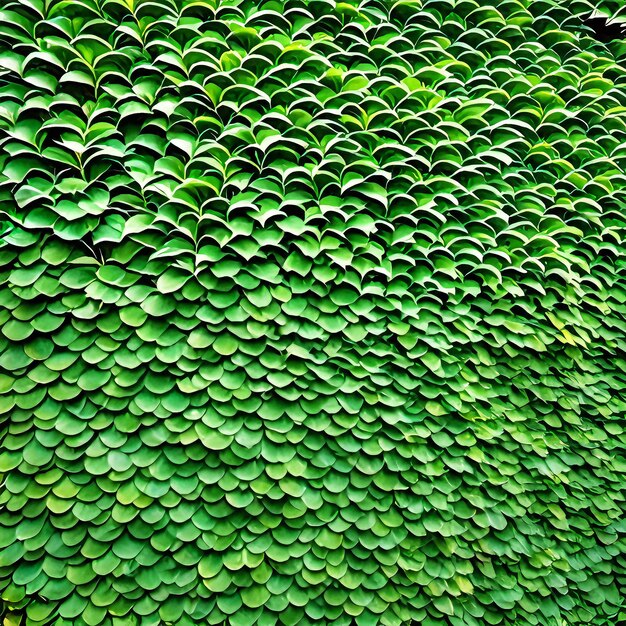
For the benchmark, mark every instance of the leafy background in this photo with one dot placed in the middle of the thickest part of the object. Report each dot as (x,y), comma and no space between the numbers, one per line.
(312,312)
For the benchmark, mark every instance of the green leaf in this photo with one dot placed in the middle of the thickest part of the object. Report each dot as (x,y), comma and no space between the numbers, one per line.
(172,280)
(225,345)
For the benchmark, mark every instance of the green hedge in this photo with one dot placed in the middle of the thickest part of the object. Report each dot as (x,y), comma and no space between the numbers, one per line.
(312,313)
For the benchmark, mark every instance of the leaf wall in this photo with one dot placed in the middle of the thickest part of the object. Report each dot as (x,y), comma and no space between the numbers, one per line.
(311,312)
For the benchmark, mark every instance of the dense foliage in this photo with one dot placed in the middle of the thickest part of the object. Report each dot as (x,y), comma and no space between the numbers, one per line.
(312,313)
